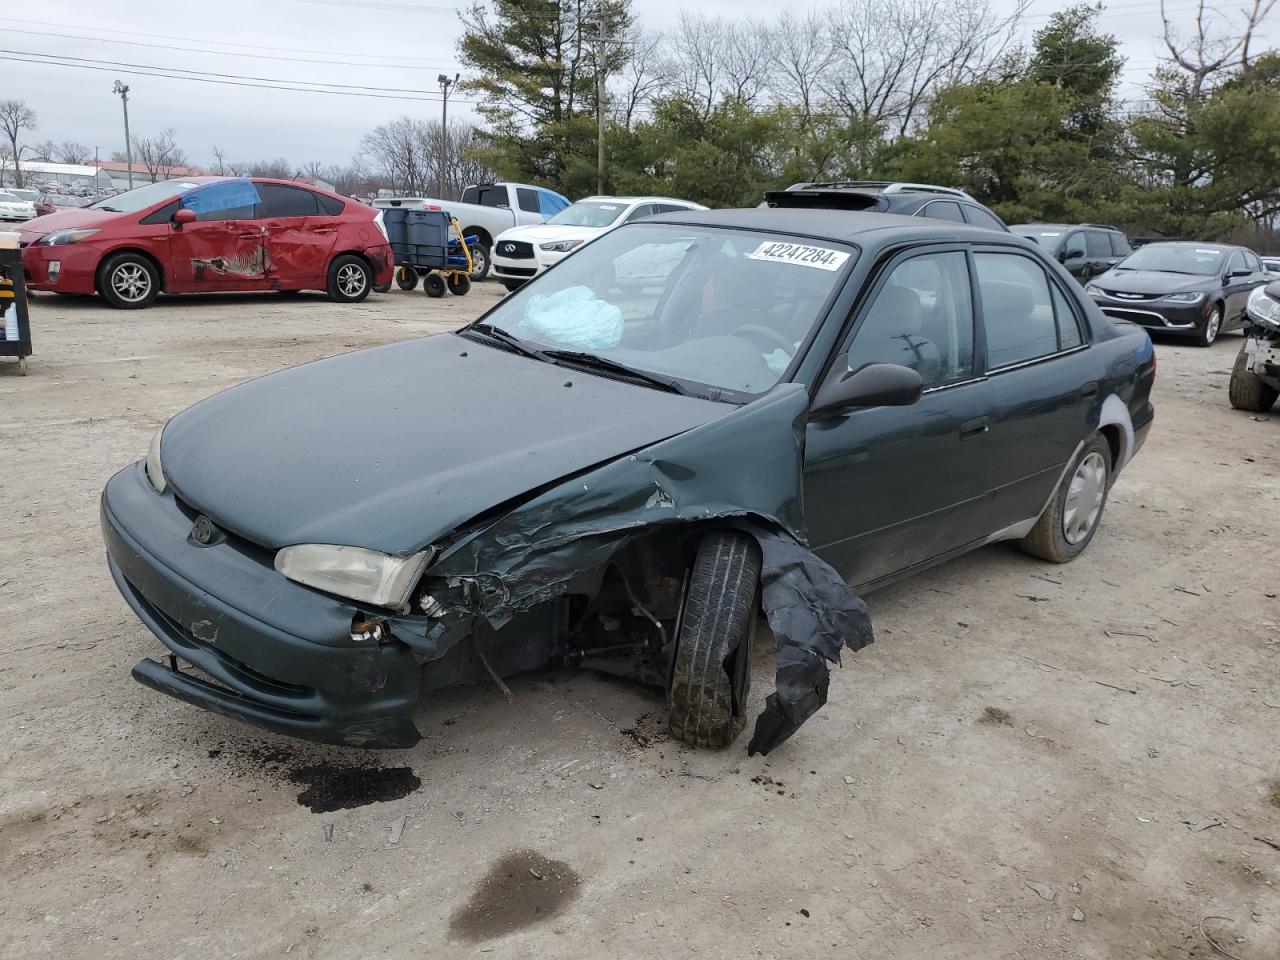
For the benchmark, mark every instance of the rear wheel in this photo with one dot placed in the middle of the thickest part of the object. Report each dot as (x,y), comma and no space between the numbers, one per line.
(459,284)
(350,279)
(1211,328)
(1071,519)
(406,278)
(1248,391)
(433,285)
(711,674)
(128,281)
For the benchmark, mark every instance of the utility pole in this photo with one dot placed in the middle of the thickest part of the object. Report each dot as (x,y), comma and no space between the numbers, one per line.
(445,84)
(123,91)
(600,109)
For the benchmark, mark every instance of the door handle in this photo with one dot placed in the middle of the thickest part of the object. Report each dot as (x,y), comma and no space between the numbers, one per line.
(974,428)
(1089,390)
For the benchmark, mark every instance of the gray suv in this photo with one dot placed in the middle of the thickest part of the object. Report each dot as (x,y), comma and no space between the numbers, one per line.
(881,196)
(1085,249)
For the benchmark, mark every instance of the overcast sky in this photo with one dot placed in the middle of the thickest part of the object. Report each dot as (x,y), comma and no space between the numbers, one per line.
(403,44)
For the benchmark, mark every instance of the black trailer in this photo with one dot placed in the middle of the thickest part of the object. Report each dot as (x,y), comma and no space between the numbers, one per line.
(13,307)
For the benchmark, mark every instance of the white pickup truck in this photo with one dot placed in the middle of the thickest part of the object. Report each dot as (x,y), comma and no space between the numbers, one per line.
(486,209)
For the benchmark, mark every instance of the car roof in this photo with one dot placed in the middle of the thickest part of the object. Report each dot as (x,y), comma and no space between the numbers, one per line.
(601,198)
(843,225)
(1195,243)
(1064,226)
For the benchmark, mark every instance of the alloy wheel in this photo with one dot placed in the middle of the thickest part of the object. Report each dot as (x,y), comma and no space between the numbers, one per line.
(351,280)
(131,282)
(1084,498)
(1213,325)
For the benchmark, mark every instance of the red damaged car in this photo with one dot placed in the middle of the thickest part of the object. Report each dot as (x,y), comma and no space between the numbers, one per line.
(205,234)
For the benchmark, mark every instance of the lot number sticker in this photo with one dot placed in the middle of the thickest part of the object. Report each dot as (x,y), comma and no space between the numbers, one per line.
(823,258)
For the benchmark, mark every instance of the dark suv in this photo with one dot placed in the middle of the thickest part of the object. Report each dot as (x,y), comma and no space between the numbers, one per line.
(1085,249)
(881,196)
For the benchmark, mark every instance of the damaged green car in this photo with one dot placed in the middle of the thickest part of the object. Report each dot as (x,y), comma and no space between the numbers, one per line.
(691,420)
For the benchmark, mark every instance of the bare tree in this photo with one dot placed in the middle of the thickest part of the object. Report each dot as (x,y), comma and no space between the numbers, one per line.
(748,59)
(42,151)
(159,153)
(1219,44)
(399,151)
(220,161)
(16,116)
(640,80)
(278,169)
(889,56)
(695,66)
(802,53)
(71,152)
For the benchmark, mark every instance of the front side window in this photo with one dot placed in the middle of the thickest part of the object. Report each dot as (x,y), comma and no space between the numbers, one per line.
(922,318)
(224,200)
(1075,246)
(1097,244)
(1237,264)
(528,199)
(716,309)
(1017,309)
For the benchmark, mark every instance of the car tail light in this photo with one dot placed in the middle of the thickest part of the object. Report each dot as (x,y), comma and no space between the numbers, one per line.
(377,218)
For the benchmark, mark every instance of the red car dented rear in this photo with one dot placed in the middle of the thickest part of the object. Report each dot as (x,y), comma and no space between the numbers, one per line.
(206,234)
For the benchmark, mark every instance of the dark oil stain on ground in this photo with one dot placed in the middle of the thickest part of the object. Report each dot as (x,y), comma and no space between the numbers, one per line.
(330,787)
(995,715)
(1273,792)
(521,889)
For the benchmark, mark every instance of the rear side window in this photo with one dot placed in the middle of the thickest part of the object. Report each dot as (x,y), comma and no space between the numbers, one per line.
(1068,323)
(528,199)
(1097,244)
(943,210)
(330,205)
(1120,245)
(491,196)
(281,201)
(1017,309)
(922,318)
(980,218)
(669,208)
(640,212)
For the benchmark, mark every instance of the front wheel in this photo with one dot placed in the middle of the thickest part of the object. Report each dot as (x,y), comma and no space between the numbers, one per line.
(1072,517)
(433,285)
(459,284)
(129,281)
(1248,391)
(711,673)
(350,279)
(480,260)
(406,278)
(1212,327)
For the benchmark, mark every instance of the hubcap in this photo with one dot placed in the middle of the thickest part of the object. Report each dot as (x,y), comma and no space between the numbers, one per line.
(1084,498)
(351,280)
(1212,325)
(131,282)
(478,262)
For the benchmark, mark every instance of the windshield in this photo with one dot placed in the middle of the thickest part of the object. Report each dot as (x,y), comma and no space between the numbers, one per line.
(6,197)
(710,308)
(588,214)
(1049,239)
(1176,258)
(131,201)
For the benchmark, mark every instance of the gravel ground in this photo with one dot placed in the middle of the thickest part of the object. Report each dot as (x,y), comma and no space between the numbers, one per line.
(1005,773)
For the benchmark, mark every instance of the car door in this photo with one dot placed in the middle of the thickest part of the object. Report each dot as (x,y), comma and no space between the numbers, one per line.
(1098,255)
(224,248)
(1238,282)
(1043,380)
(299,236)
(888,488)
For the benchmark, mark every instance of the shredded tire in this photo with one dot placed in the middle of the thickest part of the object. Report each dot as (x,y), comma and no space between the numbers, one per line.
(711,674)
(1248,391)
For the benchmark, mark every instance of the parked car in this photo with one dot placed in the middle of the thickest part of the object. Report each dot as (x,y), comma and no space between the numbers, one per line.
(13,207)
(521,253)
(619,461)
(1085,249)
(1188,289)
(881,196)
(53,202)
(1272,266)
(206,234)
(486,210)
(1255,378)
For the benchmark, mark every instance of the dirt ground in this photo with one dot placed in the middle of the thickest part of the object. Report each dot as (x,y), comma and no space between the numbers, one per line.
(1005,773)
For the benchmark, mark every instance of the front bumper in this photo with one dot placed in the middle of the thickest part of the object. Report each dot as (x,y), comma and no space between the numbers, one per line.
(525,268)
(276,654)
(1263,357)
(1176,318)
(76,271)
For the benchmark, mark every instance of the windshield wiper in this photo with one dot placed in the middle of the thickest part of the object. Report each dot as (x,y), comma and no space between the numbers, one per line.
(508,340)
(589,361)
(108,209)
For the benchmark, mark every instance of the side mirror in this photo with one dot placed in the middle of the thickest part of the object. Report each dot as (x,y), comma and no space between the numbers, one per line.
(875,385)
(183,215)
(1062,256)
(1246,272)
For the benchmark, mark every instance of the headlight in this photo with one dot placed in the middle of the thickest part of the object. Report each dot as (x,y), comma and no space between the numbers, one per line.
(60,238)
(154,472)
(1195,297)
(560,246)
(1263,308)
(367,575)
(1093,290)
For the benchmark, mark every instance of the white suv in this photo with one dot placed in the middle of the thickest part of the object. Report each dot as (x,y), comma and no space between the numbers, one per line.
(521,253)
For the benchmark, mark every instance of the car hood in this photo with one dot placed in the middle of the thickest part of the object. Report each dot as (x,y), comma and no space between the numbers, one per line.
(64,220)
(391,448)
(1150,281)
(550,233)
